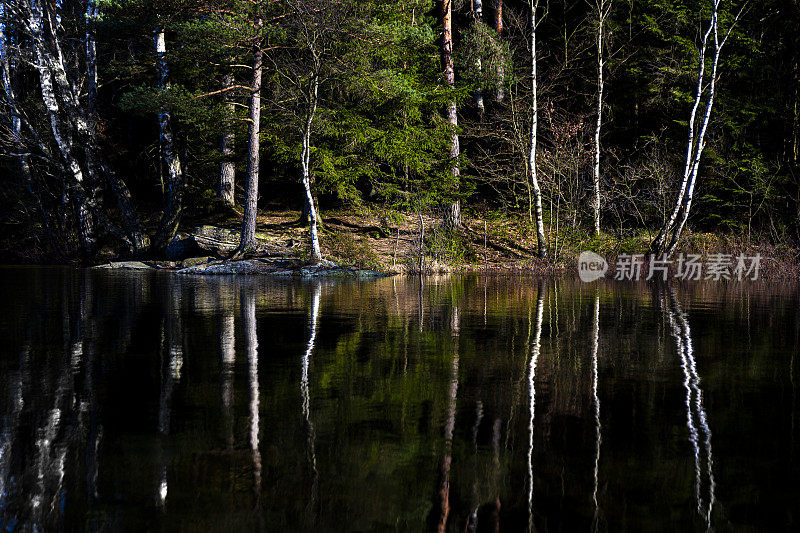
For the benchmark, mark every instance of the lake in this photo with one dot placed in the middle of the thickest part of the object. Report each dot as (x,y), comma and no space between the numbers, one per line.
(151,401)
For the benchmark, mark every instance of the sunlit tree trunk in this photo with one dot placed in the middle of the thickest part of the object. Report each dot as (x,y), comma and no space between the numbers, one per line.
(305,163)
(173,202)
(477,15)
(227,168)
(603,9)
(452,217)
(532,165)
(248,240)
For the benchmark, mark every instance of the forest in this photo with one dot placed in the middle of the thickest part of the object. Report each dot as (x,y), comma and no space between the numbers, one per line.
(125,121)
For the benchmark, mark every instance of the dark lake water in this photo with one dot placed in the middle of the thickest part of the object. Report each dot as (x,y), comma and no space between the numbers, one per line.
(150,401)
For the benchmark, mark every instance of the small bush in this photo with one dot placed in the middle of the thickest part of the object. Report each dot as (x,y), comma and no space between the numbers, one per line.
(351,251)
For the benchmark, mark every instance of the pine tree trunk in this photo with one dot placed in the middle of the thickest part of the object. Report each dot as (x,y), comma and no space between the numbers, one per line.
(452,217)
(498,27)
(248,240)
(532,166)
(227,168)
(173,202)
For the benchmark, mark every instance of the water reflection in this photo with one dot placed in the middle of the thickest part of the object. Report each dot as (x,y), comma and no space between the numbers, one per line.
(535,349)
(695,411)
(449,428)
(596,404)
(457,404)
(306,399)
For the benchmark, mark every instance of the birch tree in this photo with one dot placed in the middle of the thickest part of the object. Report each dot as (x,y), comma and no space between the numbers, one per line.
(603,8)
(667,238)
(532,166)
(74,192)
(310,62)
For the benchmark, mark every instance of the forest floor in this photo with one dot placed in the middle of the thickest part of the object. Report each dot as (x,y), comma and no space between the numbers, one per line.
(496,242)
(389,241)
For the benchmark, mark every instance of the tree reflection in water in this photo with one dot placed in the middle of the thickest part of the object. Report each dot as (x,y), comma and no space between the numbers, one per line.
(700,440)
(596,405)
(100,427)
(534,359)
(306,400)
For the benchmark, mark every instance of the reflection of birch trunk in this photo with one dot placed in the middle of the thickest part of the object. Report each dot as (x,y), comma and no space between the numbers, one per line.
(305,394)
(172,343)
(444,481)
(700,438)
(248,302)
(596,404)
(227,348)
(535,349)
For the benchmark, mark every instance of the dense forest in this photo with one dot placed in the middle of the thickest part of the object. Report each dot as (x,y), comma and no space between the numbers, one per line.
(122,117)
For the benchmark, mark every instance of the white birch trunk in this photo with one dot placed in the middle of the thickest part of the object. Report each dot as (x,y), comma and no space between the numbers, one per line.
(305,165)
(532,168)
(700,144)
(668,226)
(603,8)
